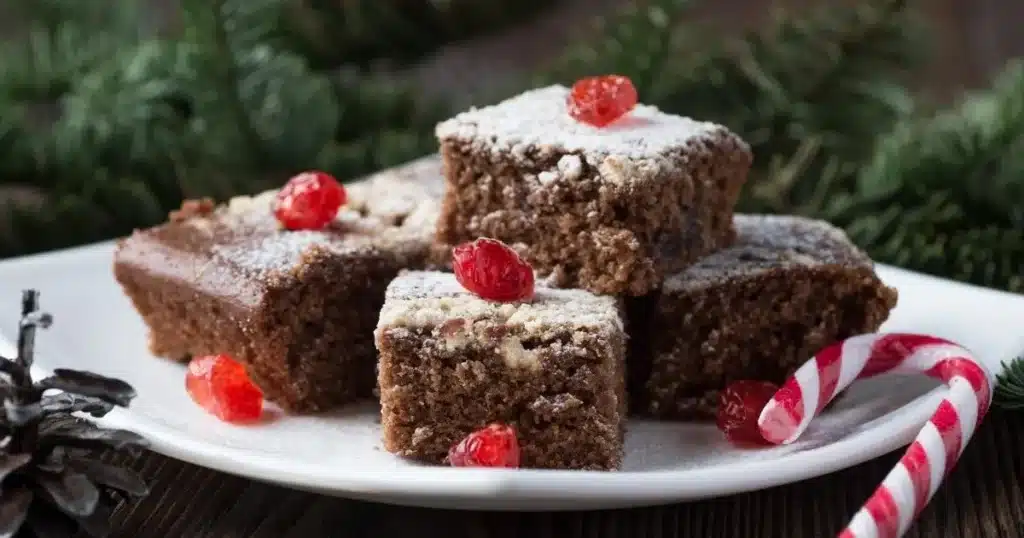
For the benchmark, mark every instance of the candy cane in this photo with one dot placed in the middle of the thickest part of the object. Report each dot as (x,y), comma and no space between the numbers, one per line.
(914,480)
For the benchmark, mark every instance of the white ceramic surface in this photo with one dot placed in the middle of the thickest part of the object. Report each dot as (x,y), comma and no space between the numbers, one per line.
(96,329)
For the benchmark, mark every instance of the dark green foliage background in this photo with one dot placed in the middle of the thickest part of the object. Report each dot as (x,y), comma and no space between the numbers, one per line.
(106,123)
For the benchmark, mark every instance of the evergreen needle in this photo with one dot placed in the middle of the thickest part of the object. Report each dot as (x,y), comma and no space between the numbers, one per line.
(1009,393)
(108,130)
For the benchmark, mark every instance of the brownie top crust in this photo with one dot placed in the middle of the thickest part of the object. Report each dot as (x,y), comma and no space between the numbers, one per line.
(767,242)
(423,299)
(240,244)
(537,120)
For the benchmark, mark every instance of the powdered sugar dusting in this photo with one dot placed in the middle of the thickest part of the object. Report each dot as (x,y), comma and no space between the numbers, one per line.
(538,119)
(766,242)
(393,210)
(429,299)
(278,252)
(788,232)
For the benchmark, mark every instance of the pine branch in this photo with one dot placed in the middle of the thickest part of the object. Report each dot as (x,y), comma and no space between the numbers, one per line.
(638,41)
(58,44)
(134,108)
(115,16)
(810,93)
(17,155)
(42,64)
(217,111)
(61,40)
(333,34)
(265,109)
(226,73)
(1009,393)
(249,23)
(207,21)
(942,194)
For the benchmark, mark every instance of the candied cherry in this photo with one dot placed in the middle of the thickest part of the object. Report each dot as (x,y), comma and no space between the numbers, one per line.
(492,270)
(220,385)
(309,201)
(739,407)
(600,101)
(493,446)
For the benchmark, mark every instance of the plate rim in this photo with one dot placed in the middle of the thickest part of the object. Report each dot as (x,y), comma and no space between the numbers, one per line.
(616,489)
(657,486)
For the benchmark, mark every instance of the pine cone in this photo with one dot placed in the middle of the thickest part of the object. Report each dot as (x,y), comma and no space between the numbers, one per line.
(51,483)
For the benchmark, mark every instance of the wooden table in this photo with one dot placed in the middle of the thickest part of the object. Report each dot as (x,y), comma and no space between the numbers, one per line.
(983,498)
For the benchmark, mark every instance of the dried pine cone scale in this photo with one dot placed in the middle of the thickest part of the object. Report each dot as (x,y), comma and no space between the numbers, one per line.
(52,485)
(72,492)
(88,384)
(14,506)
(73,432)
(113,476)
(65,402)
(12,462)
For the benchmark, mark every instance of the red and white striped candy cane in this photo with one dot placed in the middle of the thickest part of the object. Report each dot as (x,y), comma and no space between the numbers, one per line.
(911,484)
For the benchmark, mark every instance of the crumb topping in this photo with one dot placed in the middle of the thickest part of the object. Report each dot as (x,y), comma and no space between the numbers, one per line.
(280,252)
(418,299)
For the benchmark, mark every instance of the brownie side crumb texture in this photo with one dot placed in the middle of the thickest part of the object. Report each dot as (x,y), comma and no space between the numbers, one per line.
(611,210)
(451,363)
(298,308)
(789,287)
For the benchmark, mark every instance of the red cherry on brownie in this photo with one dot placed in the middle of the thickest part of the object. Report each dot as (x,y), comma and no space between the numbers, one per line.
(491,270)
(739,407)
(599,101)
(220,385)
(493,446)
(309,201)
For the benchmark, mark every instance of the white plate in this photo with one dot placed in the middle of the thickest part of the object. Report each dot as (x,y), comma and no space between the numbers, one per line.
(96,329)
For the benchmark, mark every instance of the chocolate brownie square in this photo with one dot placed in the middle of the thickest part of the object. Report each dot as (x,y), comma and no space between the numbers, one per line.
(612,210)
(298,308)
(758,310)
(553,368)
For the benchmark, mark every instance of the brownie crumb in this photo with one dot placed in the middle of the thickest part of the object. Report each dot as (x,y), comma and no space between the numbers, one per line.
(192,208)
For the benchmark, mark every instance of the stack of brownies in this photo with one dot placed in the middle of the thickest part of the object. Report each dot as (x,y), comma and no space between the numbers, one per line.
(647,285)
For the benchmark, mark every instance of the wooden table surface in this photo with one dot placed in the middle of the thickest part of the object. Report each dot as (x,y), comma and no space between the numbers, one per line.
(983,498)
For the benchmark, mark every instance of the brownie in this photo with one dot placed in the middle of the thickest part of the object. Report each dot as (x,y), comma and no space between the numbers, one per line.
(553,368)
(612,210)
(758,310)
(298,308)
